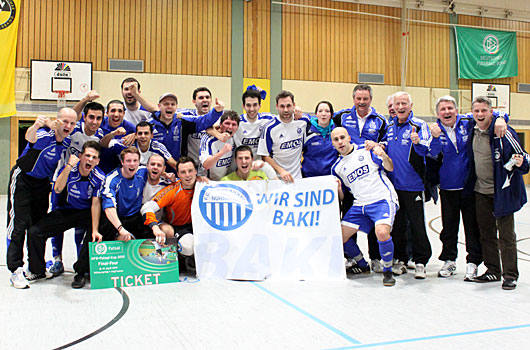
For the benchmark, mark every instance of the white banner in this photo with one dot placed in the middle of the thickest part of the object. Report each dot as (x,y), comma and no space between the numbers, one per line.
(253,230)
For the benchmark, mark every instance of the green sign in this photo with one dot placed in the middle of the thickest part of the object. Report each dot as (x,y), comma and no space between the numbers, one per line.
(486,54)
(135,263)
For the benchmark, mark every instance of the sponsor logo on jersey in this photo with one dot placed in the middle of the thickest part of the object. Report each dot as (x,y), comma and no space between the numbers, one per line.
(250,141)
(291,144)
(358,173)
(224,162)
(224,206)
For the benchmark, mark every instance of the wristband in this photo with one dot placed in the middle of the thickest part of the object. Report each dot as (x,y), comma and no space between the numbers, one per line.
(119,228)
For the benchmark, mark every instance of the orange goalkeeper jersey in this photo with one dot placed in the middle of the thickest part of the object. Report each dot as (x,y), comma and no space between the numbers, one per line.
(177,202)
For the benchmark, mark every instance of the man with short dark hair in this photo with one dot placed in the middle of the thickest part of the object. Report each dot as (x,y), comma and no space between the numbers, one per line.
(172,129)
(216,155)
(76,201)
(137,108)
(243,157)
(176,200)
(499,166)
(282,140)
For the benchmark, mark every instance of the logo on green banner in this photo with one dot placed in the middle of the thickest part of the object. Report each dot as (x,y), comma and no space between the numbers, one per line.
(486,54)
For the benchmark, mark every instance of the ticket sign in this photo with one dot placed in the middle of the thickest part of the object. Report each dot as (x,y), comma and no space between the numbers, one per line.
(134,263)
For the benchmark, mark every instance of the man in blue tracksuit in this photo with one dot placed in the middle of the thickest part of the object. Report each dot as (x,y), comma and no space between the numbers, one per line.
(499,165)
(408,140)
(451,135)
(173,130)
(363,124)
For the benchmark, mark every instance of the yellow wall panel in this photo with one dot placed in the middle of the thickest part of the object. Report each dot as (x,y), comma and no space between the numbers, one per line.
(171,36)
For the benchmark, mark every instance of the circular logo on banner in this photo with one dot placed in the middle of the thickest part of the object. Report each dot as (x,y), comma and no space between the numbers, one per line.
(7,13)
(225,207)
(101,248)
(491,44)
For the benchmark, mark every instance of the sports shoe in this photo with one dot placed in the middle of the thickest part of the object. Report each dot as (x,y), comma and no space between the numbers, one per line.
(388,279)
(471,272)
(349,262)
(420,272)
(357,269)
(57,268)
(31,277)
(509,284)
(487,277)
(79,281)
(448,269)
(18,279)
(399,268)
(376,265)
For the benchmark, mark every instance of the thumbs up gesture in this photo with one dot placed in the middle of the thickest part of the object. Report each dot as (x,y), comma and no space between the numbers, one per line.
(414,137)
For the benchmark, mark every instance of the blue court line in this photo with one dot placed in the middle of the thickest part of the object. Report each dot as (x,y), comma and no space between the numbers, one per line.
(305,313)
(450,335)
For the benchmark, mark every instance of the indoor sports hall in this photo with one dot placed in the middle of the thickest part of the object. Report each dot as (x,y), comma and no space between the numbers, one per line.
(60,52)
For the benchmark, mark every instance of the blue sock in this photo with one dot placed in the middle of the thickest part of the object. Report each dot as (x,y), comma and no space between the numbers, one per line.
(351,249)
(79,235)
(57,245)
(386,250)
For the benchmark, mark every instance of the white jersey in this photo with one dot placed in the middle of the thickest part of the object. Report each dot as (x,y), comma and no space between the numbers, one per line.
(136,116)
(362,173)
(248,133)
(210,146)
(78,138)
(284,142)
(149,192)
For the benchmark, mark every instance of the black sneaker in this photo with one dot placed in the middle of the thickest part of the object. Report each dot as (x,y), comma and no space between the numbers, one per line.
(388,279)
(509,284)
(79,281)
(486,278)
(356,269)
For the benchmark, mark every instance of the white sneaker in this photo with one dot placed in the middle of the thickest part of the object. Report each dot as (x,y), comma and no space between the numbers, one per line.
(471,272)
(448,269)
(348,262)
(420,272)
(376,265)
(399,268)
(31,277)
(18,280)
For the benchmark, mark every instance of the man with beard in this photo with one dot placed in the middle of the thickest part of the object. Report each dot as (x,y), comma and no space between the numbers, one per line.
(155,182)
(137,108)
(77,203)
(216,155)
(29,186)
(172,129)
(283,138)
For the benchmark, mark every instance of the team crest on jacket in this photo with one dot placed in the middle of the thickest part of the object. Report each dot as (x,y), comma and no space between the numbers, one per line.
(406,134)
(299,130)
(463,130)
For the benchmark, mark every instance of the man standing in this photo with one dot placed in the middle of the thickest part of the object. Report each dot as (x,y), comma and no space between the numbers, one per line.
(282,140)
(172,130)
(137,107)
(408,142)
(216,155)
(29,186)
(76,197)
(361,172)
(499,165)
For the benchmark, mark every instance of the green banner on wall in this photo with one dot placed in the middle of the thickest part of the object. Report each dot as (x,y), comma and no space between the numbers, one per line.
(486,54)
(135,263)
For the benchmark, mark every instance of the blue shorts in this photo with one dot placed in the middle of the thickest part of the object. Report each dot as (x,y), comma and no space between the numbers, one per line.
(364,217)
